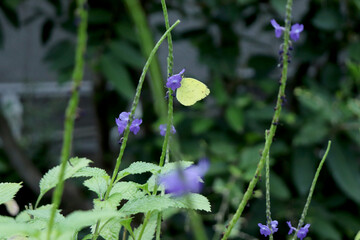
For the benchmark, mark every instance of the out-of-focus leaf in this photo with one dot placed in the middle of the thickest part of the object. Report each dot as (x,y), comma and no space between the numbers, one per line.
(327,19)
(1,36)
(278,187)
(353,51)
(61,55)
(126,53)
(118,76)
(126,32)
(345,170)
(325,229)
(218,90)
(311,133)
(303,169)
(47,29)
(279,6)
(202,125)
(348,222)
(262,65)
(99,16)
(235,118)
(357,237)
(249,159)
(10,13)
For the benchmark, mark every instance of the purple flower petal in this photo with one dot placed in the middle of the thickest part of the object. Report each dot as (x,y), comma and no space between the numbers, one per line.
(124,116)
(162,129)
(121,125)
(296,29)
(174,82)
(179,182)
(274,226)
(135,125)
(278,28)
(291,227)
(264,230)
(303,231)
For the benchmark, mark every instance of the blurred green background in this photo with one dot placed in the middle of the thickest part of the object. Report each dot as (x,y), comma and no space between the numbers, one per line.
(229,45)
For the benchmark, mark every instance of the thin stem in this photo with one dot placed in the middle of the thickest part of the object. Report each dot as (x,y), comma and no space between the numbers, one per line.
(268,211)
(70,110)
(274,123)
(312,188)
(146,220)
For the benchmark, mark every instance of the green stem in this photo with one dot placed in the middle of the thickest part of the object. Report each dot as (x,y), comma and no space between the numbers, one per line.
(71,110)
(146,220)
(268,211)
(158,226)
(312,188)
(147,44)
(274,123)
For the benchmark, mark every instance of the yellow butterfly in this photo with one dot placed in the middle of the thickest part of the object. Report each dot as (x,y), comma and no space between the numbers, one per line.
(191,91)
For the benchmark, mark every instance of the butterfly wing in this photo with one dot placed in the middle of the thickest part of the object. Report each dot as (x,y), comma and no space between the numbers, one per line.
(191,91)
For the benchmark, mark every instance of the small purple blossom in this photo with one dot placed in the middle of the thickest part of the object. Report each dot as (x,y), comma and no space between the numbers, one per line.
(295,31)
(162,129)
(135,125)
(179,182)
(278,28)
(174,82)
(301,234)
(265,230)
(123,120)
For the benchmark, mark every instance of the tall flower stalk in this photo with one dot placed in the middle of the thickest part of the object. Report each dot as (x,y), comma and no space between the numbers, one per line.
(269,139)
(71,109)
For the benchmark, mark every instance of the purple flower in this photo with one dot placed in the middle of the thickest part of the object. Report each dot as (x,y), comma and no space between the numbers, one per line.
(179,182)
(303,231)
(124,116)
(121,125)
(278,28)
(296,29)
(122,121)
(174,82)
(264,230)
(162,129)
(135,125)
(301,234)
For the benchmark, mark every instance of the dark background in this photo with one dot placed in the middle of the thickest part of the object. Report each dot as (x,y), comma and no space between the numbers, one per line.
(229,45)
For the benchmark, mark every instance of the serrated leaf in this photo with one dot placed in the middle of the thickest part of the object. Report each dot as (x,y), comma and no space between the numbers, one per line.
(128,190)
(8,191)
(91,172)
(138,168)
(6,219)
(193,201)
(149,230)
(80,219)
(8,230)
(51,178)
(109,204)
(43,213)
(97,185)
(111,230)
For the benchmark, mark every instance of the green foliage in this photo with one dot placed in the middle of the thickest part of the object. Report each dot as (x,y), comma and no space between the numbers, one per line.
(51,178)
(149,230)
(8,191)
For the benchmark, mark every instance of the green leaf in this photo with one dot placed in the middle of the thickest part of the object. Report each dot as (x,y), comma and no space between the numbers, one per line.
(311,133)
(160,203)
(303,169)
(138,168)
(43,214)
(344,170)
(126,53)
(8,230)
(118,76)
(235,118)
(278,187)
(6,219)
(98,185)
(327,19)
(51,178)
(80,219)
(149,230)
(201,125)
(357,237)
(8,191)
(90,172)
(61,55)
(128,190)
(325,229)
(109,204)
(111,230)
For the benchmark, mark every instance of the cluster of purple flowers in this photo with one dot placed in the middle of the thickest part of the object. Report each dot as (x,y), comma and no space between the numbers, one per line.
(181,181)
(265,230)
(174,82)
(162,129)
(295,30)
(123,120)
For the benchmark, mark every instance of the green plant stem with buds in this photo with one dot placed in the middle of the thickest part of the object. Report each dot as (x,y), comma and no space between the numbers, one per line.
(274,123)
(267,183)
(71,110)
(133,108)
(312,188)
